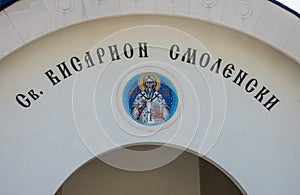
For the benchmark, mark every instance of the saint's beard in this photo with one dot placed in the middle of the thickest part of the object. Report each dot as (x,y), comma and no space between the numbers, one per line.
(149,91)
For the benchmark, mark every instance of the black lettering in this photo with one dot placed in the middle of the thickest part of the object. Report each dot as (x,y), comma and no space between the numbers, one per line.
(203,56)
(227,72)
(126,50)
(33,95)
(114,52)
(23,100)
(100,53)
(260,95)
(271,102)
(143,51)
(76,61)
(254,83)
(88,59)
(172,50)
(216,64)
(240,77)
(190,56)
(64,70)
(54,79)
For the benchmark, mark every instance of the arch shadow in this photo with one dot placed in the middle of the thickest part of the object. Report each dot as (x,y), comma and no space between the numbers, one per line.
(96,176)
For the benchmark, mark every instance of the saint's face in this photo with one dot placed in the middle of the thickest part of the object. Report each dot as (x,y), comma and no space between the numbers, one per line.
(149,83)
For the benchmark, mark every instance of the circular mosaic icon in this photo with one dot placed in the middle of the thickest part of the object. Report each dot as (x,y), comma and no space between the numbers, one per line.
(150,98)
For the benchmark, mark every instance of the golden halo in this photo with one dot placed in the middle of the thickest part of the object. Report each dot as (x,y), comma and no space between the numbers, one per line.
(141,81)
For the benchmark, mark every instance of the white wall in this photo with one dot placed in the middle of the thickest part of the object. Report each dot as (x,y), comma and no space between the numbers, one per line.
(41,145)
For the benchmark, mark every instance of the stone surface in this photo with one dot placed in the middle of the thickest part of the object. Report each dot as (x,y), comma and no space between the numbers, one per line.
(65,12)
(180,7)
(275,25)
(137,6)
(27,20)
(101,8)
(10,39)
(30,18)
(292,48)
(210,10)
(243,14)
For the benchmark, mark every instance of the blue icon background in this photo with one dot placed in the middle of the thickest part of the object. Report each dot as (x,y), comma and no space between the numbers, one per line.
(167,90)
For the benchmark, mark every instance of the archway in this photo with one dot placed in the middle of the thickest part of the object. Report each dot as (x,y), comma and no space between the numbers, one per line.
(187,174)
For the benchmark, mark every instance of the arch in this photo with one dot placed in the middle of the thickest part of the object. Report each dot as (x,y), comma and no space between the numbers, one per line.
(257,18)
(256,129)
(215,171)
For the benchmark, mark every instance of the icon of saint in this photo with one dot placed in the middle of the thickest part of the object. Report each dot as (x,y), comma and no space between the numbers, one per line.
(149,106)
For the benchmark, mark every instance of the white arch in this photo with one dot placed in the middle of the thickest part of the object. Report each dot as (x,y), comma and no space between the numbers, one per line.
(256,18)
(261,19)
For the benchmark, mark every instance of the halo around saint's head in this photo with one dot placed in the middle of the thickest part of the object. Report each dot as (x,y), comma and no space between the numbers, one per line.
(141,81)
